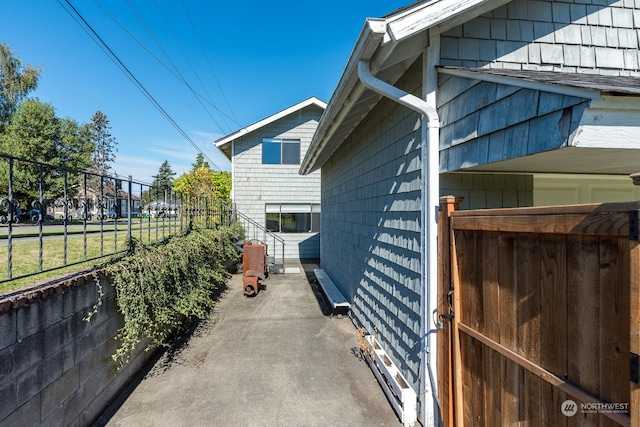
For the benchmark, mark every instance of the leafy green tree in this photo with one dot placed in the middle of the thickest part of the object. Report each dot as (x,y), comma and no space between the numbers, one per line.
(16,81)
(35,133)
(202,182)
(222,184)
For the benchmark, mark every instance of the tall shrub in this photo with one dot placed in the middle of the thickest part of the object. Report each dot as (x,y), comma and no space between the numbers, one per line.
(158,287)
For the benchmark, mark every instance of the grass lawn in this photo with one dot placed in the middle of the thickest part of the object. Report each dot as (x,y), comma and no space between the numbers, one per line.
(26,254)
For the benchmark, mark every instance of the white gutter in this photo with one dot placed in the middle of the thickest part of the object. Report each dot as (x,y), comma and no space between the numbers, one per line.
(429,231)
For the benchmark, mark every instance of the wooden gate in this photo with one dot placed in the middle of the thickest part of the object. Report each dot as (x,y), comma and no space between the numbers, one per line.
(545,305)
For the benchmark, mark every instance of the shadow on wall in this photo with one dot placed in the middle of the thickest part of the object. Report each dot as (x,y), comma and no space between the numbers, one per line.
(371,229)
(309,248)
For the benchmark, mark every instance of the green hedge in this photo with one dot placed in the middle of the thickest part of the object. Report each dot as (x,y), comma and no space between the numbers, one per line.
(158,286)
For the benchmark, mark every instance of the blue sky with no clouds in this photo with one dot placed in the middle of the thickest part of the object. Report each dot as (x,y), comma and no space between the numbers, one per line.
(213,67)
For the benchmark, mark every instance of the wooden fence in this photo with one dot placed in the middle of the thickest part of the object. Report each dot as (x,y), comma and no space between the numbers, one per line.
(546,315)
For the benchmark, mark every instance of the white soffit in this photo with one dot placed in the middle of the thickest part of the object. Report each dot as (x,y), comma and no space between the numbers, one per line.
(603,161)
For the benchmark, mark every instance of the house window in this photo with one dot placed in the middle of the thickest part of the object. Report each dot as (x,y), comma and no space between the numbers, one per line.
(278,151)
(293,218)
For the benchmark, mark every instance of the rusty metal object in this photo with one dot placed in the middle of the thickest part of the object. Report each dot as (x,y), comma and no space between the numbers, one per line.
(251,286)
(253,267)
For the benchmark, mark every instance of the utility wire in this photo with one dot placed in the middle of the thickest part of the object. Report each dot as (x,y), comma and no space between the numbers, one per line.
(208,60)
(176,75)
(173,34)
(105,48)
(166,55)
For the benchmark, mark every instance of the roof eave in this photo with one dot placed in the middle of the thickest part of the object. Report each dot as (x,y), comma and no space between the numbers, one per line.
(347,91)
(223,143)
(377,40)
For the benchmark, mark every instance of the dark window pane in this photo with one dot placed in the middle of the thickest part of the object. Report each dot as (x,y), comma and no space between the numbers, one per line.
(270,152)
(295,222)
(273,222)
(291,153)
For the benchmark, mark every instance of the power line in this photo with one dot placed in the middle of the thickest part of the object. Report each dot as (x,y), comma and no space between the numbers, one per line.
(105,48)
(166,55)
(191,66)
(174,73)
(208,61)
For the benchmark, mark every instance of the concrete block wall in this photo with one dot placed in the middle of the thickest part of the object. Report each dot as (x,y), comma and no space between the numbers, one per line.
(55,367)
(580,36)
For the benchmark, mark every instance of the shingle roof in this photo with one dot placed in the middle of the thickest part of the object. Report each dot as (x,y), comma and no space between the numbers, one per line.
(606,84)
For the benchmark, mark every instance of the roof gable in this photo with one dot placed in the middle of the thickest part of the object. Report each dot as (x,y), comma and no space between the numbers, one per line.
(223,144)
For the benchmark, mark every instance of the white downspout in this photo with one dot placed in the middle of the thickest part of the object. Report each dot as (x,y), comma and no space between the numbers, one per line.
(430,137)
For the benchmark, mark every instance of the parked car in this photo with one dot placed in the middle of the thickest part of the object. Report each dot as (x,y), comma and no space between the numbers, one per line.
(102,215)
(34,215)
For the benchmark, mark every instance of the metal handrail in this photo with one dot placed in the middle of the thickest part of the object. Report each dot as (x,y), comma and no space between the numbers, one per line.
(257,228)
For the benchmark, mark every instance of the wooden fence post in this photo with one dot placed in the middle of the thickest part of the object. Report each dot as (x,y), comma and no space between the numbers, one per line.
(448,204)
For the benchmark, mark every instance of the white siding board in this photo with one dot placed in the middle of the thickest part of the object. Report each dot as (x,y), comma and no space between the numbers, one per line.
(609,58)
(622,18)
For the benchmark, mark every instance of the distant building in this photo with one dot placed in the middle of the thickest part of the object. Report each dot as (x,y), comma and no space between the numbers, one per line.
(265,158)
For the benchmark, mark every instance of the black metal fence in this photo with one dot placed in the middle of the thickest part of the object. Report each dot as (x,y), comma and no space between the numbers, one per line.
(53,217)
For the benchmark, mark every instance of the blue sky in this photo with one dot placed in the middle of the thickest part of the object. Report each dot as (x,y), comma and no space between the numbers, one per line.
(245,60)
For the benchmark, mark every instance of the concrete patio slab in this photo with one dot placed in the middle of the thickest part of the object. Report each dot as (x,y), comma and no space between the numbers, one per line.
(276,359)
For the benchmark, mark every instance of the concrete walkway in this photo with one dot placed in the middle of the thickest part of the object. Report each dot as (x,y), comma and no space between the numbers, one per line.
(273,360)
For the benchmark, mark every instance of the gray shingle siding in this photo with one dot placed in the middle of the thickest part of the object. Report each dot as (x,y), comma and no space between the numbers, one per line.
(486,122)
(255,184)
(370,244)
(371,210)
(600,38)
(486,191)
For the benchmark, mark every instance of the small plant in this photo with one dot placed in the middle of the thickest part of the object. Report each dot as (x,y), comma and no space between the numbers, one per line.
(158,287)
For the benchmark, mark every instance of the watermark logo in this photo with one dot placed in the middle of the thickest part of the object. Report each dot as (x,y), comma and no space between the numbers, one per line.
(569,408)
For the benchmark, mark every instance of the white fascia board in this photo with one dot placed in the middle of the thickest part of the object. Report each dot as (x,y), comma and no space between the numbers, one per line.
(230,138)
(346,92)
(430,14)
(244,131)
